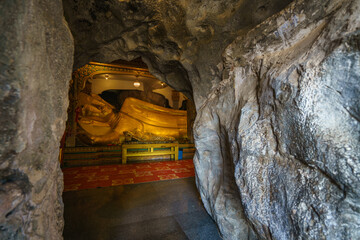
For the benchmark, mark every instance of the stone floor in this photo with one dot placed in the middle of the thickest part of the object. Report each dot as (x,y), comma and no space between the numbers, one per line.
(148,211)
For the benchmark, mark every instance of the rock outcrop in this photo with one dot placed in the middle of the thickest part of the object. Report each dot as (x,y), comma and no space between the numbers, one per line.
(181,41)
(36,58)
(284,125)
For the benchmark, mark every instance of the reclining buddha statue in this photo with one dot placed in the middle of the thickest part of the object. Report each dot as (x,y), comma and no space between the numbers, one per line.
(101,124)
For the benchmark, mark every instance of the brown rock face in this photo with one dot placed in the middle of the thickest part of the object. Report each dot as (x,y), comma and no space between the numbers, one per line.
(35,68)
(276,89)
(284,125)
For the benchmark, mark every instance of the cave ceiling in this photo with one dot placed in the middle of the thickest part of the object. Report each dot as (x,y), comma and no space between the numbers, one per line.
(181,41)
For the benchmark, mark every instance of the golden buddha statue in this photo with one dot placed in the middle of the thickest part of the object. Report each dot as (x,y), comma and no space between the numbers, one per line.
(144,121)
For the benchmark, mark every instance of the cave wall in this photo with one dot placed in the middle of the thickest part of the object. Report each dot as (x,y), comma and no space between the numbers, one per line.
(284,125)
(36,59)
(181,41)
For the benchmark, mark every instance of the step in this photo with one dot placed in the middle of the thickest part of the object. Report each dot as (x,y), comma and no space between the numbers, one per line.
(188,155)
(189,150)
(91,162)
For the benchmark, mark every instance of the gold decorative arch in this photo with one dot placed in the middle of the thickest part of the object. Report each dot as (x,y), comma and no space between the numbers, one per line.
(86,73)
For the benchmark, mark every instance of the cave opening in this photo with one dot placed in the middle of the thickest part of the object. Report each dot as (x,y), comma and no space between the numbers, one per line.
(276,89)
(242,63)
(97,114)
(125,127)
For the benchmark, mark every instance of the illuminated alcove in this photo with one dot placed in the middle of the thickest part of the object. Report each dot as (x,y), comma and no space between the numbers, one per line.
(117,103)
(153,118)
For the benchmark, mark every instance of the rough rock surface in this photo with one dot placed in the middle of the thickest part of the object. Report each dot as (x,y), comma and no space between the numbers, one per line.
(286,120)
(181,41)
(36,58)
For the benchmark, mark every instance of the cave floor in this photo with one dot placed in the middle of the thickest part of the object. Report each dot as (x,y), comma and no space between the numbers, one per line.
(169,209)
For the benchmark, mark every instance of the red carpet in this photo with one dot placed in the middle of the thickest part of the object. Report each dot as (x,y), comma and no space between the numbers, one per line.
(78,178)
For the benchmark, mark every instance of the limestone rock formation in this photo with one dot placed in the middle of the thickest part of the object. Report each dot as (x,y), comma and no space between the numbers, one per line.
(36,58)
(284,125)
(181,41)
